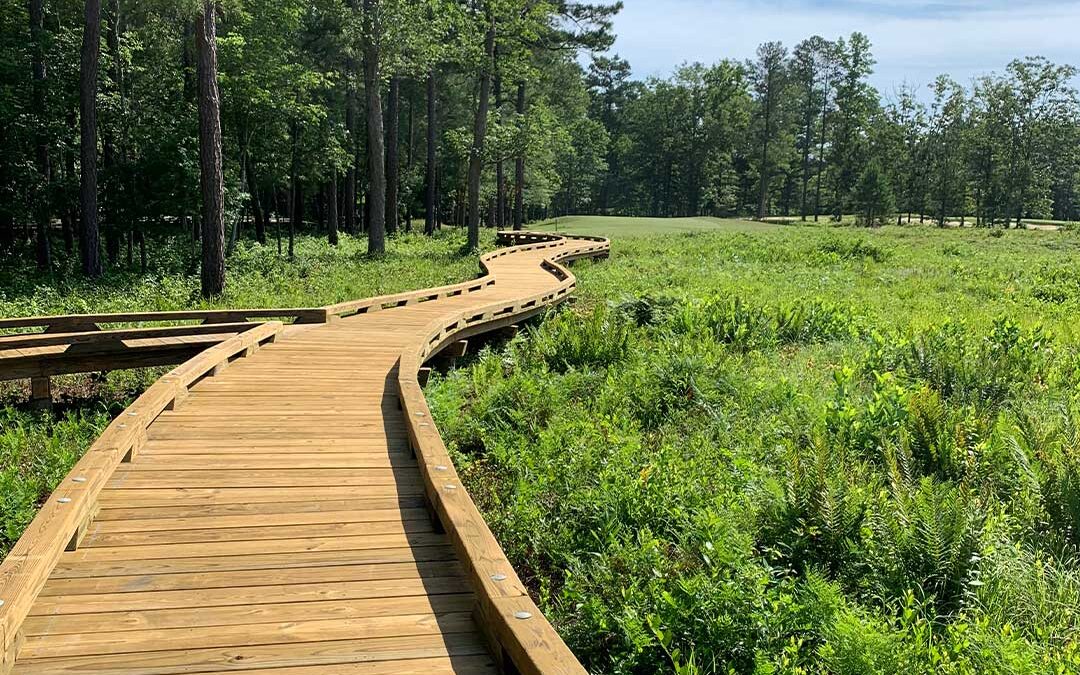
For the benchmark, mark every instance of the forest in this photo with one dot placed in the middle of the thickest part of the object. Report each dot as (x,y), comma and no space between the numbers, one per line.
(254,120)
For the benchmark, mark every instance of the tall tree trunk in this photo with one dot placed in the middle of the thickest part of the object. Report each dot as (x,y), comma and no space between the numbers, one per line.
(349,195)
(68,216)
(808,130)
(7,218)
(211,181)
(320,209)
(432,139)
(89,235)
(296,198)
(821,152)
(410,156)
(256,205)
(476,156)
(141,238)
(296,217)
(332,209)
(519,168)
(765,174)
(71,200)
(393,158)
(500,169)
(376,151)
(278,213)
(42,211)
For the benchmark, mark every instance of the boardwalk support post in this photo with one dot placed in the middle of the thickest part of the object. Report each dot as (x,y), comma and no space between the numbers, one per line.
(80,532)
(7,656)
(456,349)
(40,393)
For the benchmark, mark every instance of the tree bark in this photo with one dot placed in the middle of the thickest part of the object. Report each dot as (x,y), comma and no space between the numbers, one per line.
(295,200)
(211,181)
(332,209)
(141,239)
(500,169)
(42,210)
(69,215)
(476,156)
(432,138)
(393,156)
(256,205)
(519,169)
(89,235)
(821,152)
(296,217)
(765,175)
(376,151)
(808,130)
(349,195)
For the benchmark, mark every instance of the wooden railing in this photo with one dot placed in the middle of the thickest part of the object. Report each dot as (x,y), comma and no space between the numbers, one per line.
(518,632)
(84,343)
(368,305)
(62,520)
(76,323)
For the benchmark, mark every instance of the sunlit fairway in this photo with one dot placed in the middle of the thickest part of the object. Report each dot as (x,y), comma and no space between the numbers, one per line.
(614,226)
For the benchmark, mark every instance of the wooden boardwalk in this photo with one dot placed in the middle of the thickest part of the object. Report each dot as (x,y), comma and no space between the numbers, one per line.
(287,507)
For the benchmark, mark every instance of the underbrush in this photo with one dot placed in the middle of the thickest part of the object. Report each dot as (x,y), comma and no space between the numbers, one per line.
(37,449)
(733,477)
(258,277)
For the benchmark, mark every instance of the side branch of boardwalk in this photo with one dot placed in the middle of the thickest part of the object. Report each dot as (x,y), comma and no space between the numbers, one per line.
(282,502)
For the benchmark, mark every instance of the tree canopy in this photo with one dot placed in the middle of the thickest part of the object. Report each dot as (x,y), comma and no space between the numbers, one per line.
(360,116)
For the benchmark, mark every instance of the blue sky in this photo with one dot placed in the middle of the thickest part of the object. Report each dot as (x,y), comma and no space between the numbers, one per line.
(914,40)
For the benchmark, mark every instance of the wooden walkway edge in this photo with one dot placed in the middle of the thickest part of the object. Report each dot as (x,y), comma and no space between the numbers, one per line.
(283,503)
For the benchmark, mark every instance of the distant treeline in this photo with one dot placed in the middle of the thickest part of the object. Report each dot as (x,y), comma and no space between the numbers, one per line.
(804,134)
(256,118)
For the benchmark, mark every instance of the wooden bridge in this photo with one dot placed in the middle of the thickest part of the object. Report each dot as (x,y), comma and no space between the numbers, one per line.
(281,503)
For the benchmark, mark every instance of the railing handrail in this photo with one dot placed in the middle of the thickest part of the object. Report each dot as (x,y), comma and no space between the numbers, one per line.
(61,520)
(510,617)
(34,340)
(79,322)
(321,314)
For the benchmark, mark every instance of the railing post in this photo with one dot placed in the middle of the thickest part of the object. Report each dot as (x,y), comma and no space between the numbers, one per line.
(41,393)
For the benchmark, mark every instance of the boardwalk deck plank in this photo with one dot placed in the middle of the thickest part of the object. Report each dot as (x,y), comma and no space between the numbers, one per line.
(275,520)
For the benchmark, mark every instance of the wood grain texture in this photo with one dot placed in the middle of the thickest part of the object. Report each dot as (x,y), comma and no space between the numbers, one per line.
(275,512)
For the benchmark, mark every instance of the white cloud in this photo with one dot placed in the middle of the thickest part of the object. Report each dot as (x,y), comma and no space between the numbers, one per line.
(913,41)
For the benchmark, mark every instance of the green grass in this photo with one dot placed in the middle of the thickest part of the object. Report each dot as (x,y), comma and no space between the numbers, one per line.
(318,275)
(611,226)
(763,449)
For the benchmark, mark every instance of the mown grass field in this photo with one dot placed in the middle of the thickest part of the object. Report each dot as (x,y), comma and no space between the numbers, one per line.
(612,226)
(784,449)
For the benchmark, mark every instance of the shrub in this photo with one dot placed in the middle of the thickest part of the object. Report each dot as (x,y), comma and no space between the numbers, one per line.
(568,341)
(854,249)
(925,535)
(734,322)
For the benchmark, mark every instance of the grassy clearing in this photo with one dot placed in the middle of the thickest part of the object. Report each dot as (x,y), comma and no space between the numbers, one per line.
(38,449)
(785,449)
(605,226)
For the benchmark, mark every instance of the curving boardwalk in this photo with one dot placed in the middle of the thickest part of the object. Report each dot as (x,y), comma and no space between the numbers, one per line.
(283,504)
